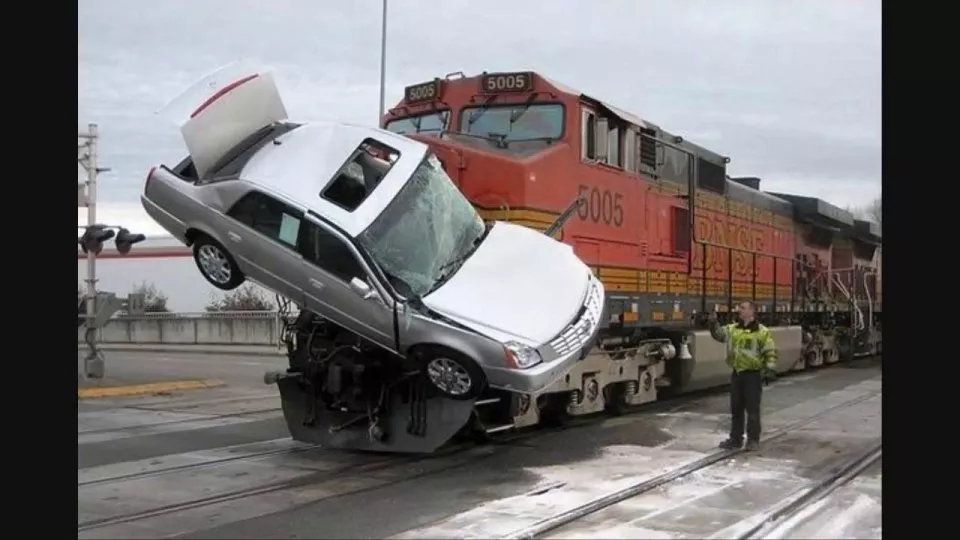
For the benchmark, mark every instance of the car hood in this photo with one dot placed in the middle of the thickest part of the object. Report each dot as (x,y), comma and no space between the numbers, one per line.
(519,285)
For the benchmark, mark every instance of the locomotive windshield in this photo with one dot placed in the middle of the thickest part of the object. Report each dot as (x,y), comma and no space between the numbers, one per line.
(425,231)
(515,122)
(431,123)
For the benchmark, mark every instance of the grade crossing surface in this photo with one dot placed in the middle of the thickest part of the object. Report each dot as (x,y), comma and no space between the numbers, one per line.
(218,463)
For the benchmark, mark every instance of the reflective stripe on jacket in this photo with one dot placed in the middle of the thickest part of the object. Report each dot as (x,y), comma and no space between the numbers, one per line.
(749,348)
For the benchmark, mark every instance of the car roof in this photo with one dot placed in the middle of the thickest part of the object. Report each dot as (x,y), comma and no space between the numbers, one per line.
(303,161)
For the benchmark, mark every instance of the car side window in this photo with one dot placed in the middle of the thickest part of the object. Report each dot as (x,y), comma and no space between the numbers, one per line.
(268,216)
(330,253)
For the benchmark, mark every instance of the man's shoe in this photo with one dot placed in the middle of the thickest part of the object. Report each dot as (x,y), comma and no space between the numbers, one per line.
(752,446)
(731,444)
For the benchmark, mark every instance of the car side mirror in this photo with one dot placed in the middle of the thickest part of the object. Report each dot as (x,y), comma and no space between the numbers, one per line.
(362,289)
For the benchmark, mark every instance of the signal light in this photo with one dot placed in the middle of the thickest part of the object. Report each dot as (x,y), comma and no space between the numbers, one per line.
(93,238)
(95,235)
(125,240)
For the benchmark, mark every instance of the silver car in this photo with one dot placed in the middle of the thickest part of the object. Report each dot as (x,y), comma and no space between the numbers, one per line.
(364,228)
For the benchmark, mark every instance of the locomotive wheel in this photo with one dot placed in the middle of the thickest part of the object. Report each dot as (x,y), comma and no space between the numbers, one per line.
(216,264)
(453,374)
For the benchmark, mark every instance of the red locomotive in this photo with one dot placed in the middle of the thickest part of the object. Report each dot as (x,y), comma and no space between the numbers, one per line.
(522,147)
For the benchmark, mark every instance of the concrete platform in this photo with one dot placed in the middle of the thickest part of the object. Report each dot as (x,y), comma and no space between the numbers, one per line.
(217,463)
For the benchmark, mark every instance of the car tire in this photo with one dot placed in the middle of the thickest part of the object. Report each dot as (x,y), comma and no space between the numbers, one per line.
(216,264)
(453,374)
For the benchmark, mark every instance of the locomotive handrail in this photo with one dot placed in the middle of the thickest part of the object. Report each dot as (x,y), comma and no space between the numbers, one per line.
(753,274)
(723,246)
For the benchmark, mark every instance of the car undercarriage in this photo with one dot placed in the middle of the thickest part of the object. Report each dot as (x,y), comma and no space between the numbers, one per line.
(342,391)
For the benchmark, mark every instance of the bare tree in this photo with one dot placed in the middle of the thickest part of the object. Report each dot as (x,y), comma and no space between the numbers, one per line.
(154,301)
(875,210)
(872,211)
(246,298)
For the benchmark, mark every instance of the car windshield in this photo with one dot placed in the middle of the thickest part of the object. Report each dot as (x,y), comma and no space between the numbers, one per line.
(427,226)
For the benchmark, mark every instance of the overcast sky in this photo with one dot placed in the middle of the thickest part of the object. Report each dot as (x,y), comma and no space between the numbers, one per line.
(789,89)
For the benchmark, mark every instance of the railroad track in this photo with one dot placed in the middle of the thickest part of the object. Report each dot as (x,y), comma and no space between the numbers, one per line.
(370,471)
(237,452)
(555,522)
(764,523)
(197,417)
(376,464)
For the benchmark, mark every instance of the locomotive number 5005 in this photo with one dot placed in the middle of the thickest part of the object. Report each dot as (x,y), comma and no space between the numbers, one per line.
(603,206)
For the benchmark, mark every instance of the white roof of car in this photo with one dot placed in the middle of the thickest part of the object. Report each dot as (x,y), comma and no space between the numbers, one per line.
(305,160)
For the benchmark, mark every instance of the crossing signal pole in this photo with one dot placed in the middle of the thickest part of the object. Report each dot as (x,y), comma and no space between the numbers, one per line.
(99,307)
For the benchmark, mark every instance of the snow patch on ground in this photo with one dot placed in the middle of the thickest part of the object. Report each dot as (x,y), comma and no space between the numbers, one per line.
(830,518)
(722,498)
(614,469)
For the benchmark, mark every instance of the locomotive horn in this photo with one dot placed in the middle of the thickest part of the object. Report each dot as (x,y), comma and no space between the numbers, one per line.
(684,350)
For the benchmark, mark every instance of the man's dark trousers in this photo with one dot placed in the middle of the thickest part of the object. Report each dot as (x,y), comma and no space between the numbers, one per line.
(746,387)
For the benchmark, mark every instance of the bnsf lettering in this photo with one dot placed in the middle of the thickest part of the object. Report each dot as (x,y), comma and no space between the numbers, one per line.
(726,232)
(602,206)
(509,82)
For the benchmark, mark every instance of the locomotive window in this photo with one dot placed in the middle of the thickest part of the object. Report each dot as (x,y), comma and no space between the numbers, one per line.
(630,151)
(360,175)
(431,124)
(681,230)
(515,122)
(616,134)
(587,141)
(613,147)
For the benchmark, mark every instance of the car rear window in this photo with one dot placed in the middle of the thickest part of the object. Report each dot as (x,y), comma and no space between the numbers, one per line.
(360,175)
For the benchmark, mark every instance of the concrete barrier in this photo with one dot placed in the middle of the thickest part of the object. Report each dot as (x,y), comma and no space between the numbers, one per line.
(222,328)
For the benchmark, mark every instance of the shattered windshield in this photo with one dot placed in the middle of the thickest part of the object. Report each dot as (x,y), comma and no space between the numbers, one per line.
(424,230)
(428,124)
(514,122)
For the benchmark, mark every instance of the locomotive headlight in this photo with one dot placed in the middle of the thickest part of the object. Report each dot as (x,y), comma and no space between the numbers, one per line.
(520,355)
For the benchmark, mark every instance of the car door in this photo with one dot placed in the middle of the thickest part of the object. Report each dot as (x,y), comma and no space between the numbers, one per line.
(262,234)
(329,264)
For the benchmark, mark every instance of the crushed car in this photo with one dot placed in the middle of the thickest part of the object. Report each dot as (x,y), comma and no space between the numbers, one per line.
(399,280)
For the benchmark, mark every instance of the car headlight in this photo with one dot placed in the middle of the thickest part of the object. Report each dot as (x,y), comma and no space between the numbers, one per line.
(520,355)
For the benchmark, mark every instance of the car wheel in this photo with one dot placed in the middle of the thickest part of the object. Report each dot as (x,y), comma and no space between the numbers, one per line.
(216,264)
(453,374)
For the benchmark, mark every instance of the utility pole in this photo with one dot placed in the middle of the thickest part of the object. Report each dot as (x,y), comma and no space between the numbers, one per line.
(87,197)
(383,62)
(99,306)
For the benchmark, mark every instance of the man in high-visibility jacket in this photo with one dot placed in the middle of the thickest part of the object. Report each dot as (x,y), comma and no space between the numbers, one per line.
(752,355)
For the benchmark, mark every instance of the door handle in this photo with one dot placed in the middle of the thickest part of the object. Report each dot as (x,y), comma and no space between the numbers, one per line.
(317,284)
(233,236)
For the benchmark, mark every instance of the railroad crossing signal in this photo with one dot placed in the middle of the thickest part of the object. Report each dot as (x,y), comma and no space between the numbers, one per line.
(93,238)
(125,240)
(98,307)
(95,235)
